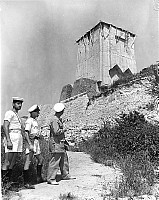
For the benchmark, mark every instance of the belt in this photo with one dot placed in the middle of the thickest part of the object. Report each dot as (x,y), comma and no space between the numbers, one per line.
(36,137)
(17,129)
(61,142)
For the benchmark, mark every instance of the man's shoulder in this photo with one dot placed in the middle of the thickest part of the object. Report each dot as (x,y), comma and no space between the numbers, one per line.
(29,120)
(9,113)
(54,119)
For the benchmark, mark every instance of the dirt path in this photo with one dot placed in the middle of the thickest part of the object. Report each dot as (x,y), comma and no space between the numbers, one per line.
(90,178)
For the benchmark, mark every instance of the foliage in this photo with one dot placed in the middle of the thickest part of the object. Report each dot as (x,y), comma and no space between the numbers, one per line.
(133,145)
(68,196)
(154,90)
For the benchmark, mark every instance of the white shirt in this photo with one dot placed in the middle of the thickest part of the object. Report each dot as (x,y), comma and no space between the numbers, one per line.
(31,125)
(14,119)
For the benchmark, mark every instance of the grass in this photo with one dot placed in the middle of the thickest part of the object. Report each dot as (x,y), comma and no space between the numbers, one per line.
(133,146)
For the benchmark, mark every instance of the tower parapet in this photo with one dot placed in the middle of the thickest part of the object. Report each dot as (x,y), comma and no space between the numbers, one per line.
(101,50)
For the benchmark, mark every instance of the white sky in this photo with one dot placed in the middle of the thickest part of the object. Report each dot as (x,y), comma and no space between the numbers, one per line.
(38,50)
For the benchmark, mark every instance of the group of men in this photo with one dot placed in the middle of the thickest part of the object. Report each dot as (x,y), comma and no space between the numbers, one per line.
(16,132)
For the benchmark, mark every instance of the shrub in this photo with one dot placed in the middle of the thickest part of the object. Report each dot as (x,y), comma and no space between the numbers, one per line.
(132,144)
(68,196)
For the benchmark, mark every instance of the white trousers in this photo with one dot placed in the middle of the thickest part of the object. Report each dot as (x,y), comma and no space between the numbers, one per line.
(17,141)
(36,148)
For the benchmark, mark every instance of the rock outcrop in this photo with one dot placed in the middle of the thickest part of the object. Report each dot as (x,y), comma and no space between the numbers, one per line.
(83,116)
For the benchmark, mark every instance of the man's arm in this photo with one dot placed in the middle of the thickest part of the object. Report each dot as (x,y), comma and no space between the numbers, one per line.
(28,140)
(6,131)
(51,129)
(54,128)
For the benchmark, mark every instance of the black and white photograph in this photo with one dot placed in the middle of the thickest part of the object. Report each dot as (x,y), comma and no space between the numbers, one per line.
(79,99)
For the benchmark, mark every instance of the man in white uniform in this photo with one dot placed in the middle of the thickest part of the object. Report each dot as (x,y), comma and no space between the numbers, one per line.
(32,146)
(13,140)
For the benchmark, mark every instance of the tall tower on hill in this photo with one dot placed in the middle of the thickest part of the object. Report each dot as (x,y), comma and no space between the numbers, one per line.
(105,53)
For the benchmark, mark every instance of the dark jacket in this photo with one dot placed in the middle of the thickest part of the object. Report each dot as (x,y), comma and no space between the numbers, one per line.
(57,141)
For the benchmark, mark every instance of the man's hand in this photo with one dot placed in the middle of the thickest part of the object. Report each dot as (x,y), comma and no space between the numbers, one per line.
(9,145)
(41,137)
(31,147)
(51,126)
(65,130)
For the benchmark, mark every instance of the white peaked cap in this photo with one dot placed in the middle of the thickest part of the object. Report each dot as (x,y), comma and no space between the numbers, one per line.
(34,107)
(17,99)
(58,107)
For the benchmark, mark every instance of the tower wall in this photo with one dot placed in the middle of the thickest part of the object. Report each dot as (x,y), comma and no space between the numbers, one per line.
(102,48)
(88,56)
(117,48)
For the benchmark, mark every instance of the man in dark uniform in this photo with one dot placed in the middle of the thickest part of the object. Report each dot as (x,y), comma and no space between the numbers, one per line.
(58,147)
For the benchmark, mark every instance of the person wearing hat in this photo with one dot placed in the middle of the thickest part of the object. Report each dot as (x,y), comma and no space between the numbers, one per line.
(58,147)
(32,146)
(13,140)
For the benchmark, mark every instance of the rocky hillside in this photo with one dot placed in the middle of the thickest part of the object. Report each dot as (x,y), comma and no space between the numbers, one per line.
(83,116)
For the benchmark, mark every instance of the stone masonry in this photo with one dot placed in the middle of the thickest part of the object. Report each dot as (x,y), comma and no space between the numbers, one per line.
(105,54)
(102,48)
(82,118)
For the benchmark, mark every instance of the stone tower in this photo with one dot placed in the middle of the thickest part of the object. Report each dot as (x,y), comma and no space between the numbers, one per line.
(105,53)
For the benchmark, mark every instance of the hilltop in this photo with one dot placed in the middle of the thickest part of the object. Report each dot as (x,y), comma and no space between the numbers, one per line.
(85,114)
